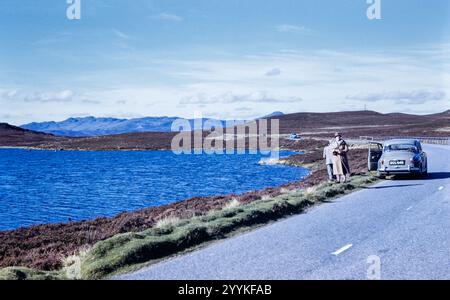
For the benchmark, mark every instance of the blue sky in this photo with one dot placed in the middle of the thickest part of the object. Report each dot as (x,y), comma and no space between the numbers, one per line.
(226,59)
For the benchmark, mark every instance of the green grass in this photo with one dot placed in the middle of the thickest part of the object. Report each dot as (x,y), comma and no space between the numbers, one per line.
(129,249)
(28,274)
(124,251)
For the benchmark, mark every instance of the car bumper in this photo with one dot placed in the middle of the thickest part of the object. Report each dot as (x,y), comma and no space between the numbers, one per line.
(402,170)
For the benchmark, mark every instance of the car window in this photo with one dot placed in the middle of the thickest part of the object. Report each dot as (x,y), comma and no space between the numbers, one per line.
(375,147)
(401,147)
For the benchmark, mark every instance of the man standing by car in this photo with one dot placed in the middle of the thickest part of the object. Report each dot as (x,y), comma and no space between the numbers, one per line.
(328,155)
(341,167)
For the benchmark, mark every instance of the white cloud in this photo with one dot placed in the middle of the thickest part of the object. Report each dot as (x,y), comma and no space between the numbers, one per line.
(168,17)
(122,39)
(387,81)
(224,84)
(43,97)
(399,97)
(8,94)
(92,102)
(120,34)
(260,97)
(273,72)
(288,28)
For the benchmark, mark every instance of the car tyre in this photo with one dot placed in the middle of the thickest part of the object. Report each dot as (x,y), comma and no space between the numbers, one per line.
(425,173)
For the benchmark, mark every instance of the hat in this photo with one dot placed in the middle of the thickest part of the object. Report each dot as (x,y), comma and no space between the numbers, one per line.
(337,134)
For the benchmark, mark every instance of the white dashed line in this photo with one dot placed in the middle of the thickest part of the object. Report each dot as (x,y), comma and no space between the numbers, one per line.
(441,188)
(342,250)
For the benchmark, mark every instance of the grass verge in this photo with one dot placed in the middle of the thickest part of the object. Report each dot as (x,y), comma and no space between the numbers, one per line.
(14,273)
(169,238)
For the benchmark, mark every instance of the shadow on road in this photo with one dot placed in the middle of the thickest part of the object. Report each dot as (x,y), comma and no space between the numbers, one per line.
(390,186)
(430,176)
(438,175)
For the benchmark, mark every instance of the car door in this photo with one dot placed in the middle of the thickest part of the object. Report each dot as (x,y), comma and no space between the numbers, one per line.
(423,156)
(375,153)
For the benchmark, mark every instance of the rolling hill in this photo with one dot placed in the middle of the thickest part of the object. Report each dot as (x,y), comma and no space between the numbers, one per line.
(366,123)
(13,136)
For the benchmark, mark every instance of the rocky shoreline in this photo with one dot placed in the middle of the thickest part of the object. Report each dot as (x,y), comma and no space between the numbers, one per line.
(44,246)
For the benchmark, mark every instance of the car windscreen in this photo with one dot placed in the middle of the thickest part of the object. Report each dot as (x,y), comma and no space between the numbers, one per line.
(401,147)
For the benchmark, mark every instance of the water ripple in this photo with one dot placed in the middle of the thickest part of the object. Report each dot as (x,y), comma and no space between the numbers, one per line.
(49,187)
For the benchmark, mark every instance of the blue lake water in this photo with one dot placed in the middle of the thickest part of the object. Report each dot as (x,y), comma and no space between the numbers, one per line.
(51,187)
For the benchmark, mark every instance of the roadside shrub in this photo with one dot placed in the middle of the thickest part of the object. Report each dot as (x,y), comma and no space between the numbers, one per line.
(72,264)
(232,204)
(167,222)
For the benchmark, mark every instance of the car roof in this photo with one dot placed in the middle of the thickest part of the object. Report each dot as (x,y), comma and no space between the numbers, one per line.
(401,141)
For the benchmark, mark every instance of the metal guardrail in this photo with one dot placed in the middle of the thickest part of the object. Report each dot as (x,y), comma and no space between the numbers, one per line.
(424,140)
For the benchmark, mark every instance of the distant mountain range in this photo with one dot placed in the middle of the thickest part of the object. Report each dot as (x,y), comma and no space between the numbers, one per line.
(92,126)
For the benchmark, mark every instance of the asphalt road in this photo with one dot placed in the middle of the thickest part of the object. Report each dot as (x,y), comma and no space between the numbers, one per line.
(404,223)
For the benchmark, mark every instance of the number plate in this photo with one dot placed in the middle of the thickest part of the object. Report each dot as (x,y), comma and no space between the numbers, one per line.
(397,163)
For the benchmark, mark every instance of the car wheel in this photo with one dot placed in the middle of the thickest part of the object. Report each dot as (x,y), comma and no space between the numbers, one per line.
(417,175)
(425,173)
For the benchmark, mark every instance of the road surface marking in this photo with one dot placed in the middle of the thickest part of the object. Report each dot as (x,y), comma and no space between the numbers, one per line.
(441,188)
(409,208)
(343,249)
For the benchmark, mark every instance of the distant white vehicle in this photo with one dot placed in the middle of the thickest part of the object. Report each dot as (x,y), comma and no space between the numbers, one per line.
(394,157)
(294,137)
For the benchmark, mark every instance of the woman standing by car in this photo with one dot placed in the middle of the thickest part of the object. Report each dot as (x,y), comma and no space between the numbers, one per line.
(341,167)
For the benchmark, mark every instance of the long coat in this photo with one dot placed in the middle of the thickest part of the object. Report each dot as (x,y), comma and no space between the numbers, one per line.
(340,159)
(328,154)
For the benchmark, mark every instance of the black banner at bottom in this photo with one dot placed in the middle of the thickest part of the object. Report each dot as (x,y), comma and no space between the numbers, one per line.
(128,290)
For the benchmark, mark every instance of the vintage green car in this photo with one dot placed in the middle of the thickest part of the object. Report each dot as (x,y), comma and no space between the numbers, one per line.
(396,157)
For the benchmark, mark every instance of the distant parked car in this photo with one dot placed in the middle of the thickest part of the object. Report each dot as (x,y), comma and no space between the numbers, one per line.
(294,137)
(394,157)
